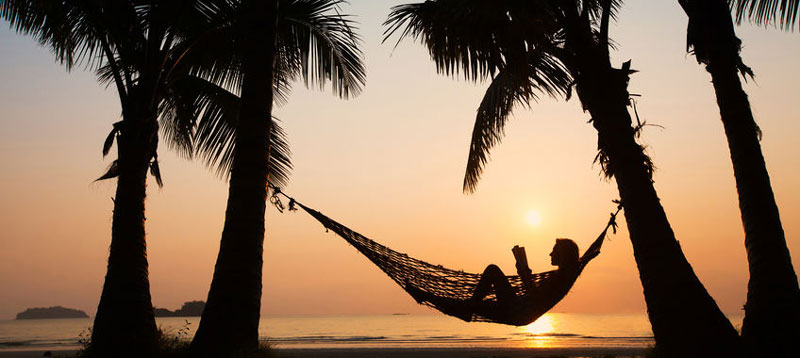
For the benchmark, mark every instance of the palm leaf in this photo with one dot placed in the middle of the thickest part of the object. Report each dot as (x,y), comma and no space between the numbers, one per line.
(542,74)
(316,36)
(781,13)
(514,43)
(215,116)
(459,35)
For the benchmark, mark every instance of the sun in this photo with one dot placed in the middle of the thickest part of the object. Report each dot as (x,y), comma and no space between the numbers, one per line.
(533,218)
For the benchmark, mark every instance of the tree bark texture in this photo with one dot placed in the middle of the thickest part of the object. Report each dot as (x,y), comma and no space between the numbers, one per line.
(124,324)
(772,310)
(773,297)
(229,324)
(686,320)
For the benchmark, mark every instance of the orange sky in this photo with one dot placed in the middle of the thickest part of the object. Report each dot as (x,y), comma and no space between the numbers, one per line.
(389,164)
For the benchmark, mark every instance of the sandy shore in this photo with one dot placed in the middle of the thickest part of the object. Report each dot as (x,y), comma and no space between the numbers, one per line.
(461,352)
(411,353)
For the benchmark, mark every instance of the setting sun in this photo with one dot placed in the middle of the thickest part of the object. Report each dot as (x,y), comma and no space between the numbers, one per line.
(533,218)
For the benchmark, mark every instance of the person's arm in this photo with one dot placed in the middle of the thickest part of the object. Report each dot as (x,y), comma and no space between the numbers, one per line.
(523,270)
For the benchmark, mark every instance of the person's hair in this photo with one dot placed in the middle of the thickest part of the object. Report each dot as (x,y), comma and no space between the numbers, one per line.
(567,251)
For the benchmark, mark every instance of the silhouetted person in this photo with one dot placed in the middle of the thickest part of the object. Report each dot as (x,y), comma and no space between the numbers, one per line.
(537,298)
(564,255)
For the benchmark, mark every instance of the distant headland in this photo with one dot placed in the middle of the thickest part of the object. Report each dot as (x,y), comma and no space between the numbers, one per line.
(189,309)
(51,312)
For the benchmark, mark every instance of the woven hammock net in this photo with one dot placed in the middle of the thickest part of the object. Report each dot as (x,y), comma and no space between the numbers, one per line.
(446,290)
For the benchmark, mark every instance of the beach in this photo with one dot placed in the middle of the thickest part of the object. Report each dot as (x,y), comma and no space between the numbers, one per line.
(411,353)
(380,336)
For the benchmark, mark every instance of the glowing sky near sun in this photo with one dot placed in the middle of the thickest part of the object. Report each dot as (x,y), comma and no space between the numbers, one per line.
(389,163)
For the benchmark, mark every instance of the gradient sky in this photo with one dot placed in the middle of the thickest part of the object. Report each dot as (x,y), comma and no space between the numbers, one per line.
(389,163)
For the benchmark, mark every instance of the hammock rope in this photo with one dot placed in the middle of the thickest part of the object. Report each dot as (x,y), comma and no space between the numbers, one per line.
(442,288)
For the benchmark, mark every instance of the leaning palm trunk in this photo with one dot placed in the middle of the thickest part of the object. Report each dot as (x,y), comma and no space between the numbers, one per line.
(229,325)
(124,324)
(685,319)
(773,298)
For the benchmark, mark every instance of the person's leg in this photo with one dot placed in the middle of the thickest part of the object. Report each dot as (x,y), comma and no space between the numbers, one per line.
(493,276)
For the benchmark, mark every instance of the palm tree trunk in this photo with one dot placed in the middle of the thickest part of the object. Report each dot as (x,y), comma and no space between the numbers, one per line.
(124,324)
(773,297)
(229,324)
(685,319)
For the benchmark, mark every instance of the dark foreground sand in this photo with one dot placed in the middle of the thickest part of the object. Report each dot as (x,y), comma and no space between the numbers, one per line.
(413,353)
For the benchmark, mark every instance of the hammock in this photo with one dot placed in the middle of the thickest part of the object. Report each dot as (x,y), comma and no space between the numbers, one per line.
(448,290)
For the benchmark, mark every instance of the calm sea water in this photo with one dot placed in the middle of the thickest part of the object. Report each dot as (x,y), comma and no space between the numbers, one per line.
(551,330)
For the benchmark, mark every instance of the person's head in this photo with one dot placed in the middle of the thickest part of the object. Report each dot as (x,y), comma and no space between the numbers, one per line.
(565,253)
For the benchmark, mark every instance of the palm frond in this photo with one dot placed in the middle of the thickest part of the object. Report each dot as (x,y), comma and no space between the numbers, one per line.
(514,43)
(461,36)
(178,117)
(155,171)
(73,30)
(280,165)
(111,172)
(215,116)
(594,8)
(316,36)
(542,74)
(473,37)
(781,13)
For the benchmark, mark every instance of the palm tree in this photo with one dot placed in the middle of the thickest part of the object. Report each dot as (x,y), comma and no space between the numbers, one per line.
(527,48)
(773,295)
(92,33)
(268,45)
(140,48)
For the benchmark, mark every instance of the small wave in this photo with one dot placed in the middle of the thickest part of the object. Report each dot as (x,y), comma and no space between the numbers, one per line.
(556,335)
(384,339)
(328,339)
(38,343)
(620,337)
(552,334)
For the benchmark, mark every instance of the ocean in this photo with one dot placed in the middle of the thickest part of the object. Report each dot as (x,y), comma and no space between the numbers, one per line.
(555,330)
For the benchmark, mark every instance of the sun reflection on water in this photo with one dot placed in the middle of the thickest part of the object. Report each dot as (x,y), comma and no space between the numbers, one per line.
(539,333)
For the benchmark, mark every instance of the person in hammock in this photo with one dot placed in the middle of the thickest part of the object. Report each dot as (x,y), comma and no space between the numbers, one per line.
(537,297)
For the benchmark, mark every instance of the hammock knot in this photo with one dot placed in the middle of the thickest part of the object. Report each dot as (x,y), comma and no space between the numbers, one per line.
(275,200)
(612,221)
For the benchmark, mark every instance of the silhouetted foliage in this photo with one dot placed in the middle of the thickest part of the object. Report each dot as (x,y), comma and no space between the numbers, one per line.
(780,13)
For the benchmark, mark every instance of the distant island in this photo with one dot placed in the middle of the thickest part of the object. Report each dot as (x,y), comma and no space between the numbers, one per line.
(189,309)
(51,312)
